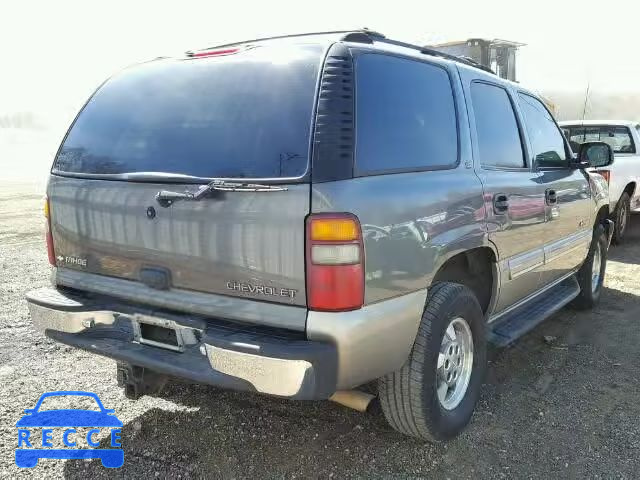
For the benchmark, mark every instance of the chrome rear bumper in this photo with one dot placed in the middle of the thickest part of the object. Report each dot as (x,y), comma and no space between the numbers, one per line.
(221,353)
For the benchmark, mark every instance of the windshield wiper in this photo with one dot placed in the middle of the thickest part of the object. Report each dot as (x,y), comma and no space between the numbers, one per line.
(165,198)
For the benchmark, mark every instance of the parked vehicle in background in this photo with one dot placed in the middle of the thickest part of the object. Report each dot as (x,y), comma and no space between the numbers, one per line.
(303,215)
(623,175)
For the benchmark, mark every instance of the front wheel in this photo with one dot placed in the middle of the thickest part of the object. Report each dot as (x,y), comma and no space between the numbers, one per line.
(433,395)
(591,274)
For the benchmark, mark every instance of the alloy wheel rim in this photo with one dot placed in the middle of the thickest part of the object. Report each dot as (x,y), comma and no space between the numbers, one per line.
(596,268)
(455,363)
(622,221)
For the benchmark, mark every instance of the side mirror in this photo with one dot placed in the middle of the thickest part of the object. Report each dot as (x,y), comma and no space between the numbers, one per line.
(595,154)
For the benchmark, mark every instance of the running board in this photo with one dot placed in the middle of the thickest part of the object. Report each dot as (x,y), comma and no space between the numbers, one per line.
(521,320)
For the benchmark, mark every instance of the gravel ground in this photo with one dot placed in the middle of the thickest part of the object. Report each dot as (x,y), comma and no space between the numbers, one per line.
(566,407)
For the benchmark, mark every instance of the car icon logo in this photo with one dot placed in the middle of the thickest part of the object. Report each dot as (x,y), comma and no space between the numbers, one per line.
(26,456)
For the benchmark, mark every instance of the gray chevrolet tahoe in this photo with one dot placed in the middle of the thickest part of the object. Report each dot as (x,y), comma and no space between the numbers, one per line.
(307,214)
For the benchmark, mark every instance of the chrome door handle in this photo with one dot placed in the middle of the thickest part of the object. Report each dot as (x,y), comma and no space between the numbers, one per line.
(551,197)
(500,203)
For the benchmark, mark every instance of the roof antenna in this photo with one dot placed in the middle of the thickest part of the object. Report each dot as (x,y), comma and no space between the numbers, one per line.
(586,98)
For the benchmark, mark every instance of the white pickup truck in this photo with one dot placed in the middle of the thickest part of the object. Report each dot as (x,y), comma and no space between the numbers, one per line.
(623,175)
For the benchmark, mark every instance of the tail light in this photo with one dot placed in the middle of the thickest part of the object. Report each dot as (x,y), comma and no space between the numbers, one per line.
(50,251)
(606,174)
(335,262)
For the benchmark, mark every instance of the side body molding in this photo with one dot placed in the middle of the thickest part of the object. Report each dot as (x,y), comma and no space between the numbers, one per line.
(557,249)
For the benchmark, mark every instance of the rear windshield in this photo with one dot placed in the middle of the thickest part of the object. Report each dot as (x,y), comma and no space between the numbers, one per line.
(618,137)
(245,115)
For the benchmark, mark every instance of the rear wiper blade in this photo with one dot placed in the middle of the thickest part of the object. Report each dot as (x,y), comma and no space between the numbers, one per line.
(224,186)
(166,198)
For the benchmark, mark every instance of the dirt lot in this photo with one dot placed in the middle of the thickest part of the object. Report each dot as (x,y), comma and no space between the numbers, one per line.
(567,408)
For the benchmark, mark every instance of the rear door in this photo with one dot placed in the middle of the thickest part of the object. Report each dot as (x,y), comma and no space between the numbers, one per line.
(514,199)
(568,202)
(174,125)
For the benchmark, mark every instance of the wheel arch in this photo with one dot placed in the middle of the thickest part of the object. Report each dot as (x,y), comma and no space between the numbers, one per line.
(630,188)
(601,215)
(472,268)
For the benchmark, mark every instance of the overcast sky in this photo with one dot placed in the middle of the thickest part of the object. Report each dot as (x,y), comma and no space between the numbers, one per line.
(54,53)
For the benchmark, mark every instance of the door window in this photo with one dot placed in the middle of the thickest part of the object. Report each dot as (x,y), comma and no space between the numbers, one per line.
(405,115)
(545,137)
(496,126)
(618,138)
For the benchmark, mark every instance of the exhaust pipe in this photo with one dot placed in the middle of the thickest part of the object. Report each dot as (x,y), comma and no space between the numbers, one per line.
(354,399)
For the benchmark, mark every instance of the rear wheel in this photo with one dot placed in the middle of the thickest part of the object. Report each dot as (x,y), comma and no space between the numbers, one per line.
(622,215)
(591,274)
(433,395)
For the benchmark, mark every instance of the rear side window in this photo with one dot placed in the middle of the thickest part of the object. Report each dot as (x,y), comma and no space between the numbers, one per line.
(499,141)
(246,115)
(618,138)
(405,116)
(545,137)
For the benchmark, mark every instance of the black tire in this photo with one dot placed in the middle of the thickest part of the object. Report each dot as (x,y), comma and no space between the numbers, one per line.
(589,297)
(408,396)
(621,218)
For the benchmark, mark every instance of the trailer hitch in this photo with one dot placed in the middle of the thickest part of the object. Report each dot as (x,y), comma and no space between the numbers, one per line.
(139,381)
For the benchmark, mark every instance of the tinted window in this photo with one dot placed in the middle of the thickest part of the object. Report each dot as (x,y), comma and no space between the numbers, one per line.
(242,115)
(545,137)
(406,117)
(619,138)
(499,141)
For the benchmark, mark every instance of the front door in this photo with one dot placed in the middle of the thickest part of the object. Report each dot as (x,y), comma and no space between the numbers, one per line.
(568,202)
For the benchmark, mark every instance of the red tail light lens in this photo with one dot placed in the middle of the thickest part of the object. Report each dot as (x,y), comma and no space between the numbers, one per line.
(49,237)
(335,262)
(606,174)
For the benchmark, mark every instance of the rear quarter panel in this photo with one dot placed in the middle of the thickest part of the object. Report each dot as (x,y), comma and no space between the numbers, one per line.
(411,222)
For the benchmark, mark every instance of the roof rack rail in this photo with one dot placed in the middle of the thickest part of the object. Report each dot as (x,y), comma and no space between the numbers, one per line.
(466,60)
(425,50)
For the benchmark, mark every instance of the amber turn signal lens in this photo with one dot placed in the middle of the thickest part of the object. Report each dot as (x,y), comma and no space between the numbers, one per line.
(334,230)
